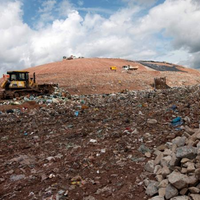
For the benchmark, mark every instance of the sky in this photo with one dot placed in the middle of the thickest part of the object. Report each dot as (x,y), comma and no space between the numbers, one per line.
(35,32)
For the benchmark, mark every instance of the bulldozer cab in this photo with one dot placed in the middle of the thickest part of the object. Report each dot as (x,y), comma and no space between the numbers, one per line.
(18,76)
(17,79)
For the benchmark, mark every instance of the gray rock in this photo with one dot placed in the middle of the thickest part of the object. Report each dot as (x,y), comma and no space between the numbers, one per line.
(192,180)
(195,196)
(143,149)
(167,152)
(174,160)
(161,192)
(165,171)
(165,161)
(179,141)
(178,180)
(163,183)
(194,190)
(158,159)
(183,191)
(180,198)
(89,198)
(157,169)
(197,173)
(189,130)
(17,177)
(190,167)
(159,178)
(170,192)
(149,167)
(152,188)
(152,121)
(157,198)
(186,152)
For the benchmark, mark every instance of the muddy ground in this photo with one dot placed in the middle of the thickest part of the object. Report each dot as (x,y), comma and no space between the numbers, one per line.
(89,147)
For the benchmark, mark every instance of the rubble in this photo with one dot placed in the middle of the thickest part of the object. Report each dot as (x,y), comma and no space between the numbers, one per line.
(102,152)
(182,177)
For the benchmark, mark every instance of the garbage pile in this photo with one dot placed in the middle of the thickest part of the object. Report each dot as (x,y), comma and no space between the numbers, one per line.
(59,96)
(94,147)
(176,168)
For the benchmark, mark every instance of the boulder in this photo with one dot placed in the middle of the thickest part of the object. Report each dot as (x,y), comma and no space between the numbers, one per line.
(195,196)
(161,192)
(149,167)
(165,171)
(167,152)
(178,180)
(194,190)
(192,180)
(157,198)
(157,169)
(197,173)
(174,160)
(170,192)
(163,183)
(183,191)
(152,188)
(190,167)
(165,161)
(158,159)
(186,152)
(180,198)
(179,141)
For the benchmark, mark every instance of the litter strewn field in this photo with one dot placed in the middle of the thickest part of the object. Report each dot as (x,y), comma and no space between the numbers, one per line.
(89,146)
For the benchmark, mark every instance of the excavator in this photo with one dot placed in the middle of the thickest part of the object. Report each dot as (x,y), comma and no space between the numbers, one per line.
(19,84)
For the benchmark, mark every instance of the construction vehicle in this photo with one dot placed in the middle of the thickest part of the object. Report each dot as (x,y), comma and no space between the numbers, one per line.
(129,67)
(113,68)
(18,83)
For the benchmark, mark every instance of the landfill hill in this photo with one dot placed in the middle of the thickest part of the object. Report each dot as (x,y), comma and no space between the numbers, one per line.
(93,75)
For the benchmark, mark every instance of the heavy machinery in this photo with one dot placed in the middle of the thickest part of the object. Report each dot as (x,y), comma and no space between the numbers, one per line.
(19,84)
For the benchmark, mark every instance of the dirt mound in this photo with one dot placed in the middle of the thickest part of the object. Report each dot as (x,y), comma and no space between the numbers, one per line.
(93,75)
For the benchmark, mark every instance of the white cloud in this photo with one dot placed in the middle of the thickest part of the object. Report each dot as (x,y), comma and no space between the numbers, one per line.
(80,3)
(140,2)
(179,20)
(123,34)
(14,36)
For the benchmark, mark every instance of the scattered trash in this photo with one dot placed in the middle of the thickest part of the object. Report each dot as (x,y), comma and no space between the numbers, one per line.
(176,121)
(107,144)
(76,113)
(143,149)
(174,107)
(51,176)
(93,141)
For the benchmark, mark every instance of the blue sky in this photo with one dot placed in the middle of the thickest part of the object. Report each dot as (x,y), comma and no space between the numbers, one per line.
(106,7)
(31,8)
(36,32)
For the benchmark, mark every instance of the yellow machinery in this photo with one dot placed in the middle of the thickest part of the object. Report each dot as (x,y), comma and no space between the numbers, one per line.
(113,68)
(19,84)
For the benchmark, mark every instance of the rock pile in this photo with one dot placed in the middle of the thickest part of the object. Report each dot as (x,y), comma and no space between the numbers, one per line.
(176,168)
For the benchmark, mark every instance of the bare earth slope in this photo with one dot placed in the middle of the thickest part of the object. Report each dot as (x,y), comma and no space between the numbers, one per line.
(93,75)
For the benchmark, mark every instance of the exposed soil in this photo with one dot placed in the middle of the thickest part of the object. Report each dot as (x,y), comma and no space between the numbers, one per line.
(87,148)
(93,75)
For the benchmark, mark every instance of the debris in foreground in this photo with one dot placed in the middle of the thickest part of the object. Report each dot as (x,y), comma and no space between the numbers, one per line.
(48,152)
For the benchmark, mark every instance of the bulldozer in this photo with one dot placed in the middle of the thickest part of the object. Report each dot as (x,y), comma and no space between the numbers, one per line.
(19,84)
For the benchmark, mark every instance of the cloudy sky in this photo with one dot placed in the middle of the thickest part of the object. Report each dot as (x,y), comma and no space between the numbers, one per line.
(34,32)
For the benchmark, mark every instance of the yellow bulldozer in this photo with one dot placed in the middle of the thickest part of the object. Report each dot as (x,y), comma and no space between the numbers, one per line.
(19,84)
